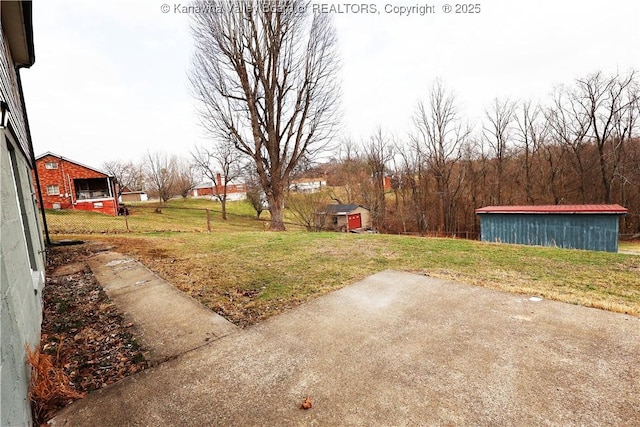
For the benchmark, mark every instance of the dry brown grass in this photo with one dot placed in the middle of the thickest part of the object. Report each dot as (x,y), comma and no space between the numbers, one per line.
(49,388)
(249,276)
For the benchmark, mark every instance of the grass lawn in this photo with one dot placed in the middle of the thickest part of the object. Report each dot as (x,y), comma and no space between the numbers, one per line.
(176,216)
(247,274)
(250,275)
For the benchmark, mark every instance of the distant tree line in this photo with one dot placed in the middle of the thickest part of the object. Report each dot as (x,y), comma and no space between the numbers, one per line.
(164,176)
(582,147)
(160,175)
(266,86)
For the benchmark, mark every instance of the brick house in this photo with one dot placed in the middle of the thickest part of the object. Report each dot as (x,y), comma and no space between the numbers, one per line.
(208,189)
(67,184)
(386,182)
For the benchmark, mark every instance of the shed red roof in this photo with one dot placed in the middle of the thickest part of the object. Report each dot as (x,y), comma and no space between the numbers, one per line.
(554,209)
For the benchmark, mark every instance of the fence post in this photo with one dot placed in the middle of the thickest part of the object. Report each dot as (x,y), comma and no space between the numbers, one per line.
(126,219)
(208,220)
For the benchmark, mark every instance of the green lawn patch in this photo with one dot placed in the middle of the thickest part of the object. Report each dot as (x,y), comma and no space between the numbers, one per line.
(249,275)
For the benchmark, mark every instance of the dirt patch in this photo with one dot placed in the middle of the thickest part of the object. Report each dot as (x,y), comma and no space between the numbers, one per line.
(66,270)
(82,329)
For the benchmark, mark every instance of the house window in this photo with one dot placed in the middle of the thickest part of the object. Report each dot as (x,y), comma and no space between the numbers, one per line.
(51,165)
(91,188)
(21,201)
(53,190)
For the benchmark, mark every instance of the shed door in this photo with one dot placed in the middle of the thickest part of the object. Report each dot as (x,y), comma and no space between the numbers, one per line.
(354,221)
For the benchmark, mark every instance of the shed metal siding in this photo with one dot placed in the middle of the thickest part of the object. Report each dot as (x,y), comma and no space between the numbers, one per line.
(595,232)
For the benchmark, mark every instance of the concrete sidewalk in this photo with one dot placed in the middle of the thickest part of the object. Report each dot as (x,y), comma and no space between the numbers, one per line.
(167,321)
(395,349)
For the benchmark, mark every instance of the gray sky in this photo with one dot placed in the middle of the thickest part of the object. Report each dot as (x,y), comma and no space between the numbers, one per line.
(110,78)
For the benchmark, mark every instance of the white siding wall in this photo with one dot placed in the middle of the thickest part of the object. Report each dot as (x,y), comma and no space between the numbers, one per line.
(234,197)
(10,94)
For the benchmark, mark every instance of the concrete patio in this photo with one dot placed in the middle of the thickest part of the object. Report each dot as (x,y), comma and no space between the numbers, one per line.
(392,349)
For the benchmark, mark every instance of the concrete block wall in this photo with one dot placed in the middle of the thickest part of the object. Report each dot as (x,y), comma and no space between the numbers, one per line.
(21,243)
(21,281)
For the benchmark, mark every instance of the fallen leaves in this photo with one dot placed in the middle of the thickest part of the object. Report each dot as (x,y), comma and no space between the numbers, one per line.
(99,348)
(307,403)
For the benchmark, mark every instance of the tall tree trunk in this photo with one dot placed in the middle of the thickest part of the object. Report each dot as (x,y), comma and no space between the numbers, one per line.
(441,216)
(265,79)
(606,184)
(276,209)
(223,203)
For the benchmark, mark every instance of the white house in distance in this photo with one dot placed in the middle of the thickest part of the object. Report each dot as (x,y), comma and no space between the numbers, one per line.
(21,245)
(127,195)
(307,185)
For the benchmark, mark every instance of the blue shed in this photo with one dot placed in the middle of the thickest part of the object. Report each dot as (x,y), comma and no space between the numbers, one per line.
(590,227)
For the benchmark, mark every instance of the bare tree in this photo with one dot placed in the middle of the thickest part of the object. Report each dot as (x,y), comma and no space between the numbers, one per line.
(305,208)
(626,127)
(350,175)
(530,132)
(397,221)
(265,75)
(255,195)
(497,133)
(185,179)
(127,175)
(221,164)
(161,173)
(439,140)
(414,184)
(554,174)
(474,171)
(569,125)
(604,102)
(378,152)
